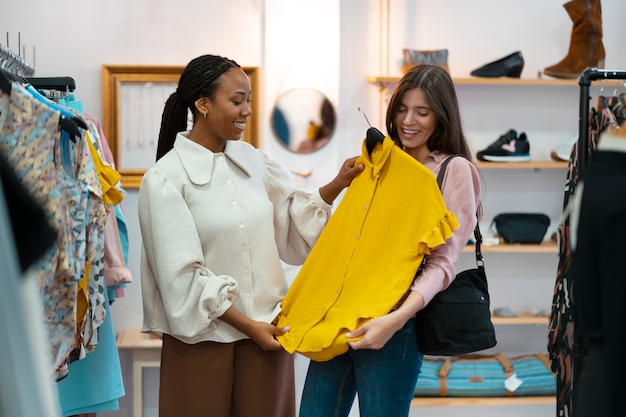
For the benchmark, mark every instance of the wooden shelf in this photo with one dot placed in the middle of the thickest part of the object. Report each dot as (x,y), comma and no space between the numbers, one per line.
(523,165)
(544,247)
(486,81)
(480,401)
(134,339)
(523,319)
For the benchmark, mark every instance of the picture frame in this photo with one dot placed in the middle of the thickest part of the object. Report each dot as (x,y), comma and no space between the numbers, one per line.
(133,98)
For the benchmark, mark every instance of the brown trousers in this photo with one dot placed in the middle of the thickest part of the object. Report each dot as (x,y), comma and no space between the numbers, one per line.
(237,379)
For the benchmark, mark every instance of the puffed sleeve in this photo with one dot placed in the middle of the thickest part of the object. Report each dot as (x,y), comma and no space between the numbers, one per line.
(176,283)
(299,214)
(461,193)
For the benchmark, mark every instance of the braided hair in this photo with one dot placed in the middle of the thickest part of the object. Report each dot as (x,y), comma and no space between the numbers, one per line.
(200,78)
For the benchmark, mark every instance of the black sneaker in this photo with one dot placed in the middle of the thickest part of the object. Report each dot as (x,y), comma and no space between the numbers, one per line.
(508,148)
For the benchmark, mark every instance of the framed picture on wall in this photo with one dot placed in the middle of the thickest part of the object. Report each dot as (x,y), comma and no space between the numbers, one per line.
(132,104)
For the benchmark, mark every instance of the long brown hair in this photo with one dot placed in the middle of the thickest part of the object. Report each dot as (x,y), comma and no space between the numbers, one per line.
(439,91)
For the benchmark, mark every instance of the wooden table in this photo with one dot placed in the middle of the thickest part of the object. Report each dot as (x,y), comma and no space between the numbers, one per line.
(146,354)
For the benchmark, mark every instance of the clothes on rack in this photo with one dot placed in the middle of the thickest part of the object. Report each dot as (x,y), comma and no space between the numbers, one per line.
(21,330)
(32,234)
(94,383)
(116,273)
(62,179)
(77,189)
(100,394)
(598,270)
(562,343)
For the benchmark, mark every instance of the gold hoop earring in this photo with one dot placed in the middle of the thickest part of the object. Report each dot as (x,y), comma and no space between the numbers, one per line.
(204,115)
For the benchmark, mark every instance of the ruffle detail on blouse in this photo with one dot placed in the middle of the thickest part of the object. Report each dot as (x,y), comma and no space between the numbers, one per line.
(438,235)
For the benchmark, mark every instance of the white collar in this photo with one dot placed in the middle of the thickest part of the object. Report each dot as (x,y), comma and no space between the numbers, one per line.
(198,161)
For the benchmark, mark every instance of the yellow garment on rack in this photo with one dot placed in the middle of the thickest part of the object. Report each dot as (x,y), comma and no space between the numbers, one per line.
(366,258)
(82,300)
(107,176)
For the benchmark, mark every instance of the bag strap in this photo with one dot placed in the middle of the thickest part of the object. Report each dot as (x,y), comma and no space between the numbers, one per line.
(478,237)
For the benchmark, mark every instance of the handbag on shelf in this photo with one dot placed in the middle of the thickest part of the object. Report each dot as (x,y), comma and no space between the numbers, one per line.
(457,321)
(413,57)
(522,227)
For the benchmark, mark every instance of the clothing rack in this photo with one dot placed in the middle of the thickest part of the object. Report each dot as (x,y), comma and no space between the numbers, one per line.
(14,64)
(584,81)
(564,349)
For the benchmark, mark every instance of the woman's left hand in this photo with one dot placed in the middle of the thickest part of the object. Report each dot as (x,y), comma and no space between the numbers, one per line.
(375,333)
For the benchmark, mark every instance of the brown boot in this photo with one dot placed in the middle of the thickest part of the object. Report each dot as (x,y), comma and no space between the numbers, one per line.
(585,47)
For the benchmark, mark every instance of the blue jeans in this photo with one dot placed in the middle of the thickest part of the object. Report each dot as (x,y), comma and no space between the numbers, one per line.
(384,379)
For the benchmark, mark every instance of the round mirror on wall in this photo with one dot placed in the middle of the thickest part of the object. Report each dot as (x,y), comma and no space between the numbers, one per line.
(303,120)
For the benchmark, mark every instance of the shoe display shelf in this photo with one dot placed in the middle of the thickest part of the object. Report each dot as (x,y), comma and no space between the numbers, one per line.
(385,81)
(548,246)
(521,276)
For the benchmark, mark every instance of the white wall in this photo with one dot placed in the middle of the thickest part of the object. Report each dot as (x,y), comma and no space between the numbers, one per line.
(76,38)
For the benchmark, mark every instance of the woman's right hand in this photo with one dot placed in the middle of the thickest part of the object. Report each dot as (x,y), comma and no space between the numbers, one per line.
(346,174)
(258,331)
(263,335)
(348,171)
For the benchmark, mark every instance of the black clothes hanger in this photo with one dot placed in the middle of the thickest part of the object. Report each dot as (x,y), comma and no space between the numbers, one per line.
(6,78)
(52,83)
(372,138)
(70,126)
(79,122)
(5,82)
(373,135)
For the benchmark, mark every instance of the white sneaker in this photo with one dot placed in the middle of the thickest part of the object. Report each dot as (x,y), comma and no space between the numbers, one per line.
(564,150)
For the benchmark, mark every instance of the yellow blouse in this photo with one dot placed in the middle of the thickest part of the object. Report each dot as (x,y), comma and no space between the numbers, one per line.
(367,255)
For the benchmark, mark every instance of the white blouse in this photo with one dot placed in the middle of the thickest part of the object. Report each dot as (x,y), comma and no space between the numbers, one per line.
(215,227)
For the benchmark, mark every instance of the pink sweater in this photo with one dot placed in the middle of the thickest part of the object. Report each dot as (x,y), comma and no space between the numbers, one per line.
(461,193)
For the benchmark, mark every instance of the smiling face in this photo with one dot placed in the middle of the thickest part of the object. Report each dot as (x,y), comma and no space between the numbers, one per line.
(227,113)
(415,122)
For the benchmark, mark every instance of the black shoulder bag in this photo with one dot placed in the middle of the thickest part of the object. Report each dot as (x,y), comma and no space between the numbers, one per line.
(457,321)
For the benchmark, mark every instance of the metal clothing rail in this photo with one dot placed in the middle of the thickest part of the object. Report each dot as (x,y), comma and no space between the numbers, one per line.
(584,81)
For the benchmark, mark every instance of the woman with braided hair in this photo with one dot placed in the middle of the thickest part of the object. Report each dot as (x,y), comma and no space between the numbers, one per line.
(217,216)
